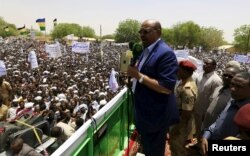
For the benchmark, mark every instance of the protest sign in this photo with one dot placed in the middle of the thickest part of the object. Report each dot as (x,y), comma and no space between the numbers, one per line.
(2,68)
(32,59)
(80,47)
(53,50)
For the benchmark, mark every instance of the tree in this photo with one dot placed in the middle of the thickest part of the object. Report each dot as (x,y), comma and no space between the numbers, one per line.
(186,34)
(38,33)
(211,38)
(88,32)
(127,31)
(7,29)
(167,35)
(242,38)
(64,29)
(109,36)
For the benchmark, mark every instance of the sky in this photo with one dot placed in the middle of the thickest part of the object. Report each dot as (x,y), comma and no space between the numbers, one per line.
(225,15)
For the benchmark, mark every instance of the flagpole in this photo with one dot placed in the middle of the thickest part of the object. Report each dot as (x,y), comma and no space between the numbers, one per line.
(45,30)
(45,34)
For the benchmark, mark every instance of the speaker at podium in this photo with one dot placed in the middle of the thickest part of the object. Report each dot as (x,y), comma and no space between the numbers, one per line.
(125,60)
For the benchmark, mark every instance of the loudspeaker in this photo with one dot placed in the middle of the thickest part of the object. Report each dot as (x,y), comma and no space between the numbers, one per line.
(124,62)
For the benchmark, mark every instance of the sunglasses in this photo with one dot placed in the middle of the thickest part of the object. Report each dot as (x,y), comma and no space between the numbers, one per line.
(228,76)
(146,31)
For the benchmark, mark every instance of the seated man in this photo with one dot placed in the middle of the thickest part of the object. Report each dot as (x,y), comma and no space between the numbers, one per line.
(19,148)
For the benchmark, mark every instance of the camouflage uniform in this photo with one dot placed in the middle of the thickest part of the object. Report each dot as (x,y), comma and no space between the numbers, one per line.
(186,94)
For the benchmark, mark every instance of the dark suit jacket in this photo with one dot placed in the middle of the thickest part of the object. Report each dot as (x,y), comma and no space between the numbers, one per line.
(153,110)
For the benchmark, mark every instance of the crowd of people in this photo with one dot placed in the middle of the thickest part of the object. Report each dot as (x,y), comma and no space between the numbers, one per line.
(65,91)
(69,90)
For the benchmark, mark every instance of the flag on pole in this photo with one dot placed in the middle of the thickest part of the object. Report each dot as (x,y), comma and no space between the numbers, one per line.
(22,30)
(41,23)
(6,28)
(55,22)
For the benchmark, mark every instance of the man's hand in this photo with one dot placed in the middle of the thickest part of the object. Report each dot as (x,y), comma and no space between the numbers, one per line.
(204,145)
(133,72)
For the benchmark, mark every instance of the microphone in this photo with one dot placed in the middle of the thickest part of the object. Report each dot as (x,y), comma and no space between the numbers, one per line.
(136,49)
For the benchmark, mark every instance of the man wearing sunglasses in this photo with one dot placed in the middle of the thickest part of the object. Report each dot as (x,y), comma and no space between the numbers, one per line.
(220,98)
(155,75)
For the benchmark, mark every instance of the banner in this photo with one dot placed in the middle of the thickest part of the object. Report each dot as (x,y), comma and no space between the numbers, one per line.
(182,53)
(53,50)
(248,59)
(80,47)
(2,68)
(32,59)
(242,58)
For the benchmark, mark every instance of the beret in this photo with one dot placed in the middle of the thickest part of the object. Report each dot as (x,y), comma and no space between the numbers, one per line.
(188,65)
(242,118)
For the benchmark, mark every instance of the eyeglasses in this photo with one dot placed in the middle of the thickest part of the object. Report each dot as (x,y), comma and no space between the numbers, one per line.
(146,31)
(228,76)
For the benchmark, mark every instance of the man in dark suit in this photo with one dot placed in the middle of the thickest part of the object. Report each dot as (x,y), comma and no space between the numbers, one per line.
(154,81)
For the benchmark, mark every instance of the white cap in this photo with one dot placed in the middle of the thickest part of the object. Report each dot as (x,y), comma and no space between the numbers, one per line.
(103,102)
(75,91)
(61,96)
(15,100)
(38,98)
(86,79)
(28,105)
(39,92)
(53,88)
(46,72)
(101,94)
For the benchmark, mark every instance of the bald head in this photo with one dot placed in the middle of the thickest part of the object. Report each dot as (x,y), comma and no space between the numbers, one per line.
(153,24)
(17,145)
(150,32)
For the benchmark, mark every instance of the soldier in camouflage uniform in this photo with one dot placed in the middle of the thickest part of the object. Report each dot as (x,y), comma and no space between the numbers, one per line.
(186,94)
